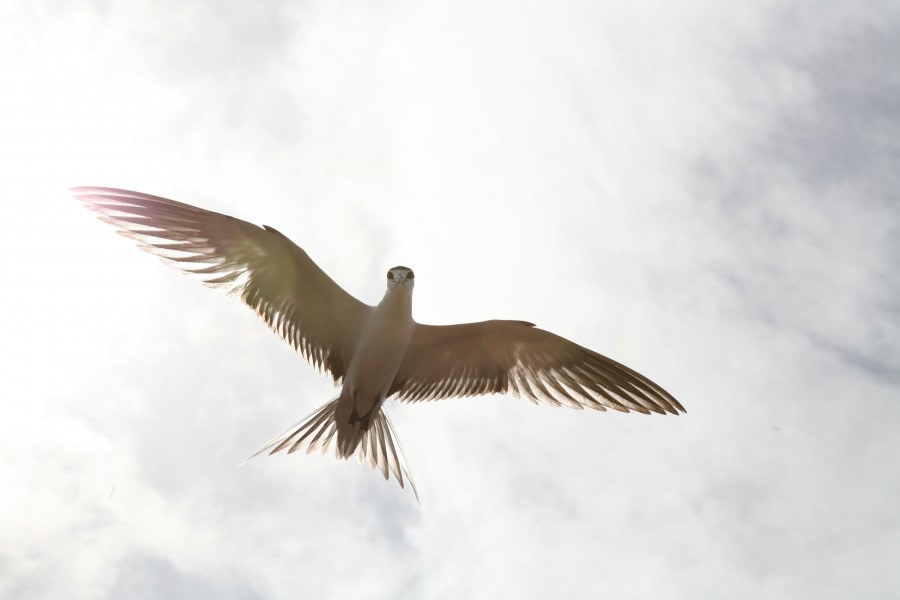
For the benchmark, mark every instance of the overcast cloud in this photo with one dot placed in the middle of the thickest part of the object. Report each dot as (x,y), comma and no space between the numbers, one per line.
(707,194)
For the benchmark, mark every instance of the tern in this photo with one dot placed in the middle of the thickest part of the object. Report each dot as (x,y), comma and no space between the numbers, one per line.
(372,352)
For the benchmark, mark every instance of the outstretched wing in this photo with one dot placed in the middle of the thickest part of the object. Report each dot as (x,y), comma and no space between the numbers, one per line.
(275,277)
(494,357)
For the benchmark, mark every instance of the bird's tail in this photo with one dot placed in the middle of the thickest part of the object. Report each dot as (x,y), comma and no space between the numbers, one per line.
(378,444)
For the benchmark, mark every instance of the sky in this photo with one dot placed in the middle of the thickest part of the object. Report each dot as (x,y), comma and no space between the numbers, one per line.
(707,192)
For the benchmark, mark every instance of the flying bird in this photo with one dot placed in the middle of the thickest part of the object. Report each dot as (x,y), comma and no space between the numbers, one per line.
(372,352)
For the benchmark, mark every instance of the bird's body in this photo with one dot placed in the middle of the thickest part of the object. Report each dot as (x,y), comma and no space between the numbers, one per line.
(373,352)
(382,346)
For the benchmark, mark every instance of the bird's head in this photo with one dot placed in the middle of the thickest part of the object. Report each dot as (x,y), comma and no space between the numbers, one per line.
(400,277)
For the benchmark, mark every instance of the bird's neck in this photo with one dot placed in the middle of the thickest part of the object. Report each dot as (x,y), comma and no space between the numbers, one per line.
(397,301)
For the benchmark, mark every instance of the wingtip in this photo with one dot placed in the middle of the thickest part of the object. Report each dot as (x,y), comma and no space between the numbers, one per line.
(89,193)
(80,190)
(675,406)
(252,456)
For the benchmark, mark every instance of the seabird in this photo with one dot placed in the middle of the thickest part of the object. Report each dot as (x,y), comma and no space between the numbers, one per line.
(372,352)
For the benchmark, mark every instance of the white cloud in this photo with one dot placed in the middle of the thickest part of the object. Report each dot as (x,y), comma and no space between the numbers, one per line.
(704,193)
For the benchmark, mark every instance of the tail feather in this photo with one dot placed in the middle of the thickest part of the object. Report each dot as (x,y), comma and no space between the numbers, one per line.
(378,445)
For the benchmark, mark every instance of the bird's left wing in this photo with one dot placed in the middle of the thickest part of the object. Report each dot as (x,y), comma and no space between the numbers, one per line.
(492,357)
(274,276)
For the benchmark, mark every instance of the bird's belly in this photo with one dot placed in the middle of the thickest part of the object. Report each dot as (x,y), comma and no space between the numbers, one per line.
(373,368)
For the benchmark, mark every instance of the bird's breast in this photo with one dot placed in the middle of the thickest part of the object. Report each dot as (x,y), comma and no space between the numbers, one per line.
(378,356)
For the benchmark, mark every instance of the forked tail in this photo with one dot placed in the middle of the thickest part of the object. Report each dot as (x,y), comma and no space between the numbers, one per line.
(378,444)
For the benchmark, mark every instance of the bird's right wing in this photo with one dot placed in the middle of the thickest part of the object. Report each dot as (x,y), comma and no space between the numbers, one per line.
(494,357)
(275,277)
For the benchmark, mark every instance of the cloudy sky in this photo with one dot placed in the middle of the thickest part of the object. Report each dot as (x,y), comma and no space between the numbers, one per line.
(707,194)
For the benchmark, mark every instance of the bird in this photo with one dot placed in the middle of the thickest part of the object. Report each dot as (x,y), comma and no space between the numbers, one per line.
(373,353)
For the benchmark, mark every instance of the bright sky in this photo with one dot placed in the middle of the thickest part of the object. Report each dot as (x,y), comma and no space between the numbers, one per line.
(707,194)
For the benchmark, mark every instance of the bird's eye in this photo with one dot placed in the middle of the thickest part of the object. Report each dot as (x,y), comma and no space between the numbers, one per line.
(411,275)
(390,274)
